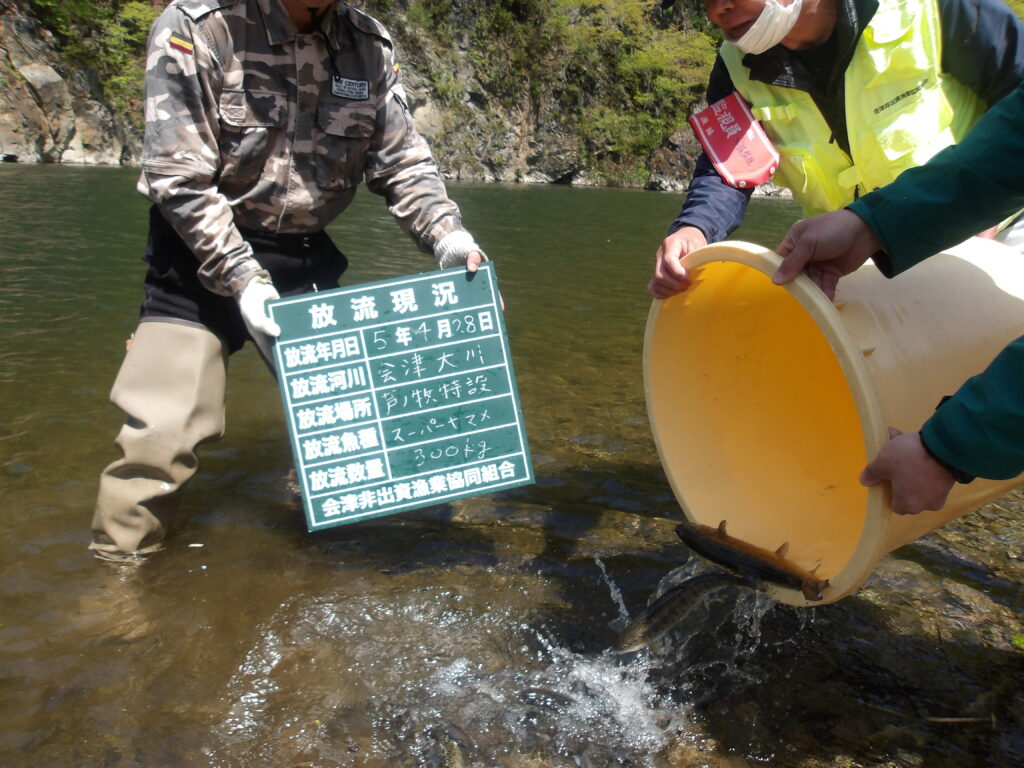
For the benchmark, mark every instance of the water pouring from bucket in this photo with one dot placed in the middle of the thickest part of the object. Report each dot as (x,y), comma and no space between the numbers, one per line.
(766,402)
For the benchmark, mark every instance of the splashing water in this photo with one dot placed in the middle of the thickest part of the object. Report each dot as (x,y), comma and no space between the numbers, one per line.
(616,595)
(396,670)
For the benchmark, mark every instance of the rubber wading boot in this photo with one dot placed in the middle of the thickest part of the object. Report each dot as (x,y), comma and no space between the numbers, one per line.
(171,388)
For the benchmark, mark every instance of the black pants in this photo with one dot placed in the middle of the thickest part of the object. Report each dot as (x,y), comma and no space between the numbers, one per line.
(295,262)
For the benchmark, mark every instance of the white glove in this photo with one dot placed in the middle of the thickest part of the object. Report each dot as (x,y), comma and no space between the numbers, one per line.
(252,304)
(454,249)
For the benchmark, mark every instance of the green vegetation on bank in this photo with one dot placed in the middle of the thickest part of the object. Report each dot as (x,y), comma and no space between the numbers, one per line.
(107,37)
(621,75)
(618,76)
(633,76)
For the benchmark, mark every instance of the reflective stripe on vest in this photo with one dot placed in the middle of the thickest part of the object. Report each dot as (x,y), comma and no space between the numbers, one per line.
(900,110)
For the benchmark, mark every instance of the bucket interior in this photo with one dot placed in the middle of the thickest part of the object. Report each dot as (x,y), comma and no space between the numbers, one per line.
(754,419)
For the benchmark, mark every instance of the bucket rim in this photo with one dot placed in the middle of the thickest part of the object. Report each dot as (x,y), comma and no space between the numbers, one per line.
(850,356)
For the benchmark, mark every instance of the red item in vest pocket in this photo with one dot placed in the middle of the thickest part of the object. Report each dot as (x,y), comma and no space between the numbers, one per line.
(735,142)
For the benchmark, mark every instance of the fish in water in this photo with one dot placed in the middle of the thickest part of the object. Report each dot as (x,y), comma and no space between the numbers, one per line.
(672,607)
(750,561)
(547,698)
(447,748)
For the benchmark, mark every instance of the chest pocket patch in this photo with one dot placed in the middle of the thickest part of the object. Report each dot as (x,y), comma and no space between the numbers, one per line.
(354,121)
(241,109)
(341,148)
(249,120)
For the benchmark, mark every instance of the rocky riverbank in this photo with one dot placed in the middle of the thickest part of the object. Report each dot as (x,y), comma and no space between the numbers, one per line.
(51,112)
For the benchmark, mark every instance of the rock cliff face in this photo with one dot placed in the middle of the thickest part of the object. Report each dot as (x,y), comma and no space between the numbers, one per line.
(47,113)
(476,137)
(482,142)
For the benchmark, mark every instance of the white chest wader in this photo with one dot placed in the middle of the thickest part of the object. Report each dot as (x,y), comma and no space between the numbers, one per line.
(171,387)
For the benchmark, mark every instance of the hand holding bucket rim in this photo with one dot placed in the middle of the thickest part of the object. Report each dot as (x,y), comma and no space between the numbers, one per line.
(800,249)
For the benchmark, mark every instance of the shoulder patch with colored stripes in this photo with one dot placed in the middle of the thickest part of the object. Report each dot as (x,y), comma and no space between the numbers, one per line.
(181,44)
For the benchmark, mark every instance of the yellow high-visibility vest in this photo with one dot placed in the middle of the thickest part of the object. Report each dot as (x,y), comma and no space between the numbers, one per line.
(900,110)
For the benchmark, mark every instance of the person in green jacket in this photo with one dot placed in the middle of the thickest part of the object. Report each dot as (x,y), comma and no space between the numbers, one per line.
(979,431)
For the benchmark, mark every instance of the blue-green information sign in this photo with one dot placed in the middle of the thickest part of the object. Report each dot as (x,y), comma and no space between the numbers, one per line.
(399,394)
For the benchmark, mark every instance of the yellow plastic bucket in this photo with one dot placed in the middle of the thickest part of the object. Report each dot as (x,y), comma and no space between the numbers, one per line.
(766,402)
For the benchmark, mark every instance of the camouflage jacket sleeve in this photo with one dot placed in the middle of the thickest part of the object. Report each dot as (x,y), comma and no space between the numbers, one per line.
(400,165)
(181,158)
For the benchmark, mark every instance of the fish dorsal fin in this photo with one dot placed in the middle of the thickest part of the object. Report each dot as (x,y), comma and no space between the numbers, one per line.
(721,528)
(781,551)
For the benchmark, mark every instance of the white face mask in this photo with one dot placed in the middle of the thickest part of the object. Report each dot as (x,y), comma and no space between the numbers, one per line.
(771,27)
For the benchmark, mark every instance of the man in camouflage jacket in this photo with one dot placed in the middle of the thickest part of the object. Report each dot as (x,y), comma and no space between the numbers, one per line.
(262,118)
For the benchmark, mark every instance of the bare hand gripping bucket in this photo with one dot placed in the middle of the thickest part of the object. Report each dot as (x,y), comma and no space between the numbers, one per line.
(766,402)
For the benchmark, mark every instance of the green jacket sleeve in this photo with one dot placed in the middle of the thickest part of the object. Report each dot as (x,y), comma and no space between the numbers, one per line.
(962,190)
(980,430)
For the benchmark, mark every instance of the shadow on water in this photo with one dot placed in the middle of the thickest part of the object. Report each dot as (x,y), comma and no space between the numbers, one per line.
(843,683)
(942,553)
(477,633)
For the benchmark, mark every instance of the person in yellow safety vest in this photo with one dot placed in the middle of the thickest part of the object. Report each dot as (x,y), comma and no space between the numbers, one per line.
(851,92)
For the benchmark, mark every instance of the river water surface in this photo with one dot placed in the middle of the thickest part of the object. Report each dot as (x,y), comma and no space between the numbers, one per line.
(476,633)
